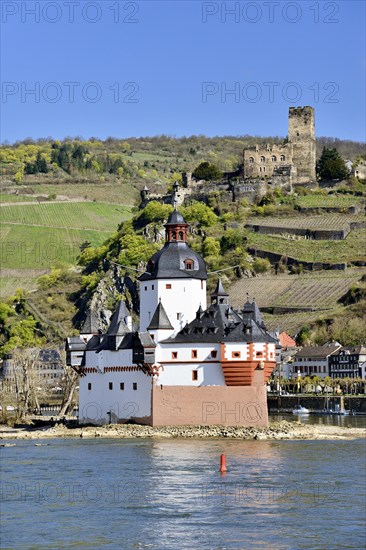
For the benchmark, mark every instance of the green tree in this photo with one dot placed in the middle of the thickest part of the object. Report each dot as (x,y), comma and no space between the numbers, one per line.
(211,247)
(331,166)
(155,211)
(206,171)
(200,213)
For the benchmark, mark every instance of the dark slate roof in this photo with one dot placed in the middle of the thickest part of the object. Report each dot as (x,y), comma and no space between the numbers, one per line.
(176,218)
(220,323)
(352,350)
(75,343)
(160,319)
(90,324)
(49,356)
(219,290)
(251,311)
(168,263)
(146,340)
(317,352)
(118,324)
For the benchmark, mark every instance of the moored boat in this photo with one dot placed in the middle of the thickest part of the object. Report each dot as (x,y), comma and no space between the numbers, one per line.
(300,410)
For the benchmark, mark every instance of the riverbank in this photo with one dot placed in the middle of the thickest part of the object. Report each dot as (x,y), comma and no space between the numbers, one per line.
(276,431)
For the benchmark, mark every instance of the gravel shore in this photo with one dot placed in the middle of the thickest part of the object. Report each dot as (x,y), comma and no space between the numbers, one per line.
(276,431)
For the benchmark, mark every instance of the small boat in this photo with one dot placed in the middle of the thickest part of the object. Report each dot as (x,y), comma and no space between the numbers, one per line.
(300,410)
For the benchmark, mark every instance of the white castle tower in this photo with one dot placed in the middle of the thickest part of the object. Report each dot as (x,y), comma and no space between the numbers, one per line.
(174,282)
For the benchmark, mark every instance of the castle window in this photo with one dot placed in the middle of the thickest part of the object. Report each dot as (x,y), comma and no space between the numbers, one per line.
(274,158)
(122,386)
(188,264)
(134,386)
(264,168)
(260,169)
(110,385)
(89,386)
(251,160)
(168,287)
(152,287)
(235,354)
(283,158)
(194,354)
(213,353)
(145,287)
(195,375)
(174,355)
(263,159)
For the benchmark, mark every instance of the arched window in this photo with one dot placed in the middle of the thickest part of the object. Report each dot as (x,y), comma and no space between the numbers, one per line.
(251,160)
(181,235)
(283,158)
(263,159)
(274,158)
(188,264)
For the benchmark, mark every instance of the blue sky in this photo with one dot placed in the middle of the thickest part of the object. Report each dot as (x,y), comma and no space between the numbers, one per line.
(115,68)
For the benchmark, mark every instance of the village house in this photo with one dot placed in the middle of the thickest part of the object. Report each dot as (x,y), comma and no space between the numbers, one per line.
(45,369)
(187,364)
(348,362)
(314,361)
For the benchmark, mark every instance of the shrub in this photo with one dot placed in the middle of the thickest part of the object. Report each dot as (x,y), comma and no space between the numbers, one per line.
(261,265)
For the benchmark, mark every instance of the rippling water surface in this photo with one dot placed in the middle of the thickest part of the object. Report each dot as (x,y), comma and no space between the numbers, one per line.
(168,494)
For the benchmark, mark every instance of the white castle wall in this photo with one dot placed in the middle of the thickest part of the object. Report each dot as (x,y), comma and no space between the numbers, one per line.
(123,404)
(183,297)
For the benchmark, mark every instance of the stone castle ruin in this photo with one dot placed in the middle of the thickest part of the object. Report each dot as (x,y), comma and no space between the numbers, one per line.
(286,165)
(294,161)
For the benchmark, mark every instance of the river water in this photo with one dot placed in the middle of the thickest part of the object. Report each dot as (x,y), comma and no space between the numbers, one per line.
(168,494)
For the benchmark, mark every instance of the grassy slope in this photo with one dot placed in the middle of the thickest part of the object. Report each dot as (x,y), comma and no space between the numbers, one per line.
(35,237)
(77,215)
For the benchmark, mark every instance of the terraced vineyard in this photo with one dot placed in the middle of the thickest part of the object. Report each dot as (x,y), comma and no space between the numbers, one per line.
(327,222)
(350,249)
(329,201)
(76,215)
(319,292)
(36,236)
(118,193)
(27,247)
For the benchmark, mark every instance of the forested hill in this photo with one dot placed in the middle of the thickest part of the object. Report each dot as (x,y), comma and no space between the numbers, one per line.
(148,159)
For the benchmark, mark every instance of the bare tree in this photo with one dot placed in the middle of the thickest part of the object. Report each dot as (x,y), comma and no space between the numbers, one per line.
(70,382)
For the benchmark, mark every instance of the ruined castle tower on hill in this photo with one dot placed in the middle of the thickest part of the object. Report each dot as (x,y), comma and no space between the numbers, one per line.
(292,162)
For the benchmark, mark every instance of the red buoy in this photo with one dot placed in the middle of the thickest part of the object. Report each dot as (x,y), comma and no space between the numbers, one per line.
(223,468)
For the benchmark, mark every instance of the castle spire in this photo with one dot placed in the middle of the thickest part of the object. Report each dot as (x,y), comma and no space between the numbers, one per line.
(176,227)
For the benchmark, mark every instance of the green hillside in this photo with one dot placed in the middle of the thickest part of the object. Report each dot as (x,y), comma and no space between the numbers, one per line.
(59,198)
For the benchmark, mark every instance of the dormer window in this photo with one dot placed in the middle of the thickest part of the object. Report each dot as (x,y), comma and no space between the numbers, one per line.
(188,264)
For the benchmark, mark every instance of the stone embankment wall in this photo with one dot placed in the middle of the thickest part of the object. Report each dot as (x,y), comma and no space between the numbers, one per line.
(316,403)
(316,234)
(274,258)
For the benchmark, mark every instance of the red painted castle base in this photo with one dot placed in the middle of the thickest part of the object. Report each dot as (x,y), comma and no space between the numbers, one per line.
(211,405)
